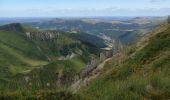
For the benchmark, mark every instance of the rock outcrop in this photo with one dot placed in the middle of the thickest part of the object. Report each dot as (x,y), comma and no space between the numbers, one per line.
(43,36)
(94,63)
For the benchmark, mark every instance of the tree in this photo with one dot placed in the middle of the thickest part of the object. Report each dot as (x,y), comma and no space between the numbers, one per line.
(169,19)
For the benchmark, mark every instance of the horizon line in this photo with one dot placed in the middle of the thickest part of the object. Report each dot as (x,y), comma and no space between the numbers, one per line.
(76,16)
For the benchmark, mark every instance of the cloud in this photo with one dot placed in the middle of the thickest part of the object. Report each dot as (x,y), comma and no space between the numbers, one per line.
(157,1)
(111,8)
(108,11)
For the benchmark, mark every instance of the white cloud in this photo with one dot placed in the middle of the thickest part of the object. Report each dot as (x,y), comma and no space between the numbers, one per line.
(109,11)
(157,1)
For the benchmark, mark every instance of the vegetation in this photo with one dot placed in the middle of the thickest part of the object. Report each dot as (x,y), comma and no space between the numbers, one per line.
(19,53)
(124,30)
(28,65)
(143,74)
(34,69)
(89,39)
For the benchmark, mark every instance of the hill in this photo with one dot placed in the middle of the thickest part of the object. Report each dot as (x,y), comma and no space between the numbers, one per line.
(41,59)
(125,30)
(138,72)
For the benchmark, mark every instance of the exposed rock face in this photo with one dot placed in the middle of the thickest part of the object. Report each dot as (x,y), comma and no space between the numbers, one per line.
(94,63)
(43,36)
(68,57)
(64,78)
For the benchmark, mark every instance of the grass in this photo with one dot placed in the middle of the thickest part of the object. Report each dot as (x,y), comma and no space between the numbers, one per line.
(21,57)
(144,76)
(15,59)
(21,54)
(39,78)
(26,69)
(16,41)
(78,64)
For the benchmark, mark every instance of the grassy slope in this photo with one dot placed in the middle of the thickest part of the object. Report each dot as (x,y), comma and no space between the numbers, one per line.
(145,75)
(25,86)
(20,54)
(22,59)
(48,74)
(16,52)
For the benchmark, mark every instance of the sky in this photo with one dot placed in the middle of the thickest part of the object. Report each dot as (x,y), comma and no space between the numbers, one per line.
(76,8)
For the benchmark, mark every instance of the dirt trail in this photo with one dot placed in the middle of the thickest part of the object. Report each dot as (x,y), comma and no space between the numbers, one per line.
(85,81)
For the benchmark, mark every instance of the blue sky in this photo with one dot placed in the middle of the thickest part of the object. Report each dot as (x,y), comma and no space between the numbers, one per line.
(53,8)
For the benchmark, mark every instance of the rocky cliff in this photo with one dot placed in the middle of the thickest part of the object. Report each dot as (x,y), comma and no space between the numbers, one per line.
(43,36)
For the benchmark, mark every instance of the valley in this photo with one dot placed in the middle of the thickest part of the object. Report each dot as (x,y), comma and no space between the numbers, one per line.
(33,59)
(124,29)
(79,60)
(84,50)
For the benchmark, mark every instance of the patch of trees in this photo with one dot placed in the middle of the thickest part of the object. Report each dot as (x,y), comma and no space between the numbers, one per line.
(91,40)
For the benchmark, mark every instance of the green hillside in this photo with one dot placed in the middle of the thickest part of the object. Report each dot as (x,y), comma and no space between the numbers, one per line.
(18,50)
(140,72)
(30,64)
(35,69)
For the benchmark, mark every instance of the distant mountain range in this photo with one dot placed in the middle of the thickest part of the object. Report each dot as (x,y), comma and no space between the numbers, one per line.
(118,29)
(44,60)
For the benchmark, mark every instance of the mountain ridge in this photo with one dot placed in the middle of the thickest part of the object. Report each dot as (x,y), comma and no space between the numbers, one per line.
(135,73)
(26,52)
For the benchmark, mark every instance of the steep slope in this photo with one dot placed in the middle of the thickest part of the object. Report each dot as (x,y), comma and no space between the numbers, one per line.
(36,64)
(27,55)
(139,72)
(16,50)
